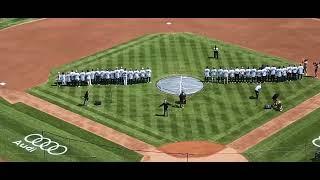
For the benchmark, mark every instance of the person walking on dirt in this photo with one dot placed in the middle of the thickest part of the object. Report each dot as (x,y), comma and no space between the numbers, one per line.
(316,66)
(86,98)
(165,105)
(305,66)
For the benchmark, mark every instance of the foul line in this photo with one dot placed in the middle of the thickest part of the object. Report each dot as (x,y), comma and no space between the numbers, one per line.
(22,24)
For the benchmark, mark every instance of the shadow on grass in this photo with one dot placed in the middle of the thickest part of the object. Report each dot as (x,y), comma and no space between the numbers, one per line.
(159,115)
(252,97)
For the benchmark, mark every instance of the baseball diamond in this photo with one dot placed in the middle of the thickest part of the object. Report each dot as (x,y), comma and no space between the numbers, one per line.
(94,93)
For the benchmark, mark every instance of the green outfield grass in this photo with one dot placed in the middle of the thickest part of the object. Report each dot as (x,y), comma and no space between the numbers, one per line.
(294,143)
(7,22)
(219,113)
(19,120)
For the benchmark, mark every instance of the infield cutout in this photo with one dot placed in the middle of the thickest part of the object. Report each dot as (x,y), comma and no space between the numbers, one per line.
(176,84)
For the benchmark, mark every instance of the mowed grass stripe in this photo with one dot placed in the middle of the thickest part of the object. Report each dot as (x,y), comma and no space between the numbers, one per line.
(72,101)
(101,117)
(115,124)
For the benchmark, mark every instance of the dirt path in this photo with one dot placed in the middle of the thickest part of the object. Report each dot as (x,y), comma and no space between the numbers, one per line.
(273,126)
(53,42)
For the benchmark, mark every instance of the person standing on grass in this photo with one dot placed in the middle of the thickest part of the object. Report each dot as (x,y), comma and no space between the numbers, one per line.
(183,98)
(86,98)
(300,71)
(165,105)
(253,75)
(257,90)
(213,74)
(225,76)
(215,52)
(206,74)
(148,74)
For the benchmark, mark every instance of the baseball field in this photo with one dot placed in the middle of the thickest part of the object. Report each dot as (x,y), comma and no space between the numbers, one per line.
(128,125)
(219,113)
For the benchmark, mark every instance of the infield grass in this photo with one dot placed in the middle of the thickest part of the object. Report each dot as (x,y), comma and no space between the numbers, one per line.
(20,120)
(218,113)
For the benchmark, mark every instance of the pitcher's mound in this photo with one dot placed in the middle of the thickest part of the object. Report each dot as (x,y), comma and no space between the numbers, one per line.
(193,148)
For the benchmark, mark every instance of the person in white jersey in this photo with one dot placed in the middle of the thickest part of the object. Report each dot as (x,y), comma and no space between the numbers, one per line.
(68,79)
(220,75)
(257,90)
(120,74)
(58,79)
(142,75)
(88,78)
(206,74)
(107,76)
(136,76)
(130,76)
(77,78)
(264,75)
(117,75)
(63,79)
(289,73)
(148,74)
(125,77)
(273,73)
(284,74)
(268,73)
(231,75)
(259,75)
(236,74)
(247,75)
(253,75)
(300,71)
(213,74)
(242,71)
(294,72)
(279,74)
(112,77)
(92,74)
(225,76)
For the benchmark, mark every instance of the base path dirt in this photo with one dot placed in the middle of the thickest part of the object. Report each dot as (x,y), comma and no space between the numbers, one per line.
(273,126)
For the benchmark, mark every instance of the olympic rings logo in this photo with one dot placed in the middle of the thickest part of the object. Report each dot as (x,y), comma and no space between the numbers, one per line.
(46,144)
(314,142)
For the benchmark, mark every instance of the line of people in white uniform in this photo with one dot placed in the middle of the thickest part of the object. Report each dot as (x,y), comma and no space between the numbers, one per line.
(118,76)
(262,74)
